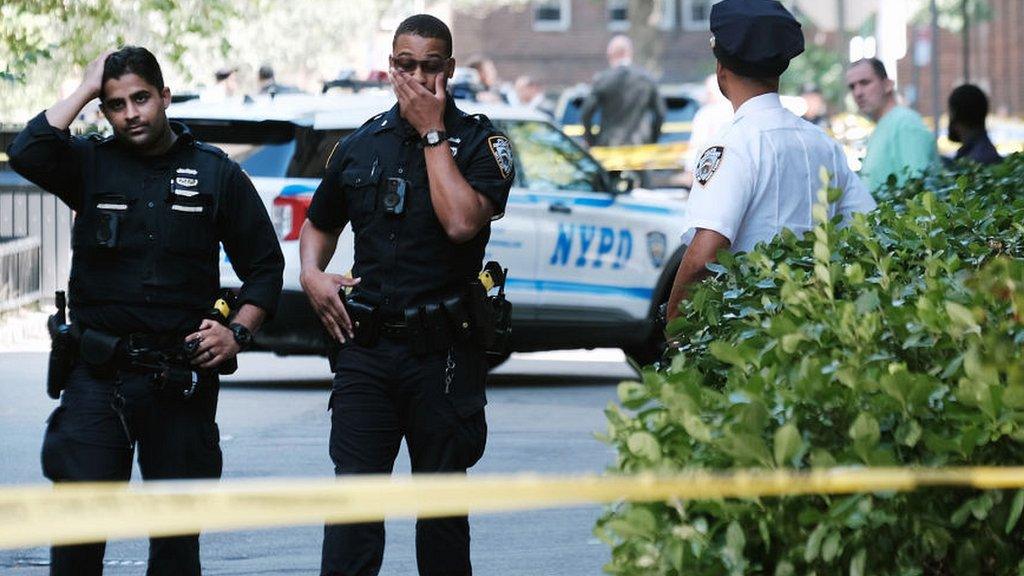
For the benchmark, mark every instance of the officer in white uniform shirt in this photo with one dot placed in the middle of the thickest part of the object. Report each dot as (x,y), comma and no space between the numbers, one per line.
(762,174)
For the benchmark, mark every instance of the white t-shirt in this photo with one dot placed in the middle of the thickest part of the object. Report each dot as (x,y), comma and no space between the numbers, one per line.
(762,174)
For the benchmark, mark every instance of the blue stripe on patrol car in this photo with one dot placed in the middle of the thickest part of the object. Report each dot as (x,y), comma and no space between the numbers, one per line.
(580,288)
(590,202)
(296,189)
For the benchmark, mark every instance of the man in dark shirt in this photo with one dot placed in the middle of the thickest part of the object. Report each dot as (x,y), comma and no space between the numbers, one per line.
(631,108)
(419,184)
(968,108)
(152,207)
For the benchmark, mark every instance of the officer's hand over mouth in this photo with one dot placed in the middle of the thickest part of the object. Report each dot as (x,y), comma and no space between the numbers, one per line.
(216,344)
(322,290)
(421,108)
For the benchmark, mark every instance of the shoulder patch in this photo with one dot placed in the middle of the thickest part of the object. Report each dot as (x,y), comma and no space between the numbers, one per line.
(501,149)
(708,163)
(211,149)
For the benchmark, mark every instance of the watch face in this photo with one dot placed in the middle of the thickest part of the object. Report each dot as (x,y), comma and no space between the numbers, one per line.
(433,137)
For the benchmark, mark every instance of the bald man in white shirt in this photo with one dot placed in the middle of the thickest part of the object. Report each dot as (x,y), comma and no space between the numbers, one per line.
(761,175)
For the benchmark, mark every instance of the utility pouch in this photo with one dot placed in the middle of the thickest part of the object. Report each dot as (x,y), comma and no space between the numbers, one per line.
(458,318)
(492,315)
(365,323)
(98,349)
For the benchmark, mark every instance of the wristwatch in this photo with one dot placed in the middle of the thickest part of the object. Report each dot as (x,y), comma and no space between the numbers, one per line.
(243,336)
(434,137)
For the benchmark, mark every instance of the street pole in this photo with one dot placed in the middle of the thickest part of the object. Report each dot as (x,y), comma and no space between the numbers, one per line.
(936,98)
(966,40)
(844,47)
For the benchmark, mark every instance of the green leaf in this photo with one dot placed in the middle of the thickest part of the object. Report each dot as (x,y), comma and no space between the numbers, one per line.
(830,548)
(645,445)
(696,427)
(787,444)
(632,394)
(909,433)
(813,546)
(858,562)
(727,353)
(1015,509)
(865,429)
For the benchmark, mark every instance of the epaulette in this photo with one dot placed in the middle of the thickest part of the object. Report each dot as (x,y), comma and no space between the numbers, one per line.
(209,148)
(99,138)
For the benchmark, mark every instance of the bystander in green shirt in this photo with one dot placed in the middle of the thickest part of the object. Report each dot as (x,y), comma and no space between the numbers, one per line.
(902,145)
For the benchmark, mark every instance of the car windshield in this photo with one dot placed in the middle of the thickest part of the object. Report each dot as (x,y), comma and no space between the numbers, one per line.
(270,149)
(547,158)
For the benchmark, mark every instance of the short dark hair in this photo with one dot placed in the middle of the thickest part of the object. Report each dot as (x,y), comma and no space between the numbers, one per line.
(968,105)
(133,60)
(426,26)
(876,65)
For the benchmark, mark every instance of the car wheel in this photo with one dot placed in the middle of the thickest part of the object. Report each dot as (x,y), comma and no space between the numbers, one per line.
(649,352)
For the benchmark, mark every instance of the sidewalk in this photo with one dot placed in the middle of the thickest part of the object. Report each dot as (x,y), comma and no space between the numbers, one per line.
(24,330)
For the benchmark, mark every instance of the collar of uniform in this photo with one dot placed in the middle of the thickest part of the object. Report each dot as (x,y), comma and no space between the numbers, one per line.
(767,101)
(392,118)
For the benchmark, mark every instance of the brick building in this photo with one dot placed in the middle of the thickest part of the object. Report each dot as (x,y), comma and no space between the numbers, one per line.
(562,42)
(996,61)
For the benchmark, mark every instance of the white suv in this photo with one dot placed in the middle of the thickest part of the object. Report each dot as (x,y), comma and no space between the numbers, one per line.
(588,264)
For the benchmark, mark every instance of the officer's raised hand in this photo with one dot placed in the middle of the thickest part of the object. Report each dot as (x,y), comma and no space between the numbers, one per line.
(322,289)
(61,114)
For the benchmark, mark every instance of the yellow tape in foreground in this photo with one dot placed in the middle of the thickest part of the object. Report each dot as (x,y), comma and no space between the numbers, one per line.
(77,513)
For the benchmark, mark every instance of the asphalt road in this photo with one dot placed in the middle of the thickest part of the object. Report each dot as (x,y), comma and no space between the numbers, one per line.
(543,412)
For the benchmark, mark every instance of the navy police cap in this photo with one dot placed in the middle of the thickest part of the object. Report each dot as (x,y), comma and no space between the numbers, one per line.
(755,38)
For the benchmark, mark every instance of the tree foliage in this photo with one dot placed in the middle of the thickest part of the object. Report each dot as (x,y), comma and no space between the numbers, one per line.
(894,341)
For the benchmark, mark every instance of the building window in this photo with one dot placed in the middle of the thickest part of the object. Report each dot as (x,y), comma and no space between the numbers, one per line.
(618,14)
(551,15)
(697,14)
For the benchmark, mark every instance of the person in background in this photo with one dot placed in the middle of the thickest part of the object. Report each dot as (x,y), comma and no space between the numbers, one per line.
(528,93)
(817,107)
(225,85)
(493,90)
(266,83)
(968,108)
(627,97)
(901,145)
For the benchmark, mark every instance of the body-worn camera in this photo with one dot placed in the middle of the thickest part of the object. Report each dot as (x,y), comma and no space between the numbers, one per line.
(394,197)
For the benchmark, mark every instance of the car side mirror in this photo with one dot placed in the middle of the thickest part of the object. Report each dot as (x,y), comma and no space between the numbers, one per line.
(620,182)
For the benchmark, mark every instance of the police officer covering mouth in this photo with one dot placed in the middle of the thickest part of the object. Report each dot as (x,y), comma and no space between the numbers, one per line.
(152,207)
(761,175)
(419,185)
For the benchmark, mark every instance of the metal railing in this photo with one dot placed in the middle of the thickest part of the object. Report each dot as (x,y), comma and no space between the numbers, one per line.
(40,257)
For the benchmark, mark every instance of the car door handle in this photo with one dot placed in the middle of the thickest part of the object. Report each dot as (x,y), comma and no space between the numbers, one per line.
(559,208)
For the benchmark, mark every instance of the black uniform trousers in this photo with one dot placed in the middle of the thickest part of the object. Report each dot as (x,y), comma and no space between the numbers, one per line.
(436,401)
(86,440)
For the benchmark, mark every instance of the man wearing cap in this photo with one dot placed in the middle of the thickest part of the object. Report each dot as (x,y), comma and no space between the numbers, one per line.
(761,174)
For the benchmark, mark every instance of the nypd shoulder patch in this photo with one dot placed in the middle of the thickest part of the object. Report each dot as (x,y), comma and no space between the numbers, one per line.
(501,149)
(709,162)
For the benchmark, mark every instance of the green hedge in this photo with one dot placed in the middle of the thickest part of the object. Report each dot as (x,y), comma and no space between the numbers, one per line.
(894,341)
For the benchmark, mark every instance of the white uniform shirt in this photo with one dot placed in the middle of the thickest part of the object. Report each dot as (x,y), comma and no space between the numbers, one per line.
(763,174)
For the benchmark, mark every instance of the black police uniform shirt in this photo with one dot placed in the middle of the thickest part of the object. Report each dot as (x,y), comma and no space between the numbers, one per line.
(147,228)
(408,260)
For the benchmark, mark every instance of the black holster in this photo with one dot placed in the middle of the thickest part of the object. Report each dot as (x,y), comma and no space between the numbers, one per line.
(492,319)
(62,356)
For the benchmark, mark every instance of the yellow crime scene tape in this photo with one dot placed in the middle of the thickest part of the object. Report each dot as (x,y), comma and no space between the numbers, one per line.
(79,513)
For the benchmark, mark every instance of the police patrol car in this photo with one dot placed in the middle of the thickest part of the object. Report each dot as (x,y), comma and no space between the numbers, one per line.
(589,260)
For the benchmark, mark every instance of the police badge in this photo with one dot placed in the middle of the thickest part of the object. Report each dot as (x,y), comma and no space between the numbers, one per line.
(501,149)
(709,162)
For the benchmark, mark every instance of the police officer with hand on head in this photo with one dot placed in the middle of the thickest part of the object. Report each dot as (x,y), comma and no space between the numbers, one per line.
(153,206)
(419,184)
(762,174)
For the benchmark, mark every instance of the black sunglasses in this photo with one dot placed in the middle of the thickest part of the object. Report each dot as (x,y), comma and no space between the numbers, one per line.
(408,64)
